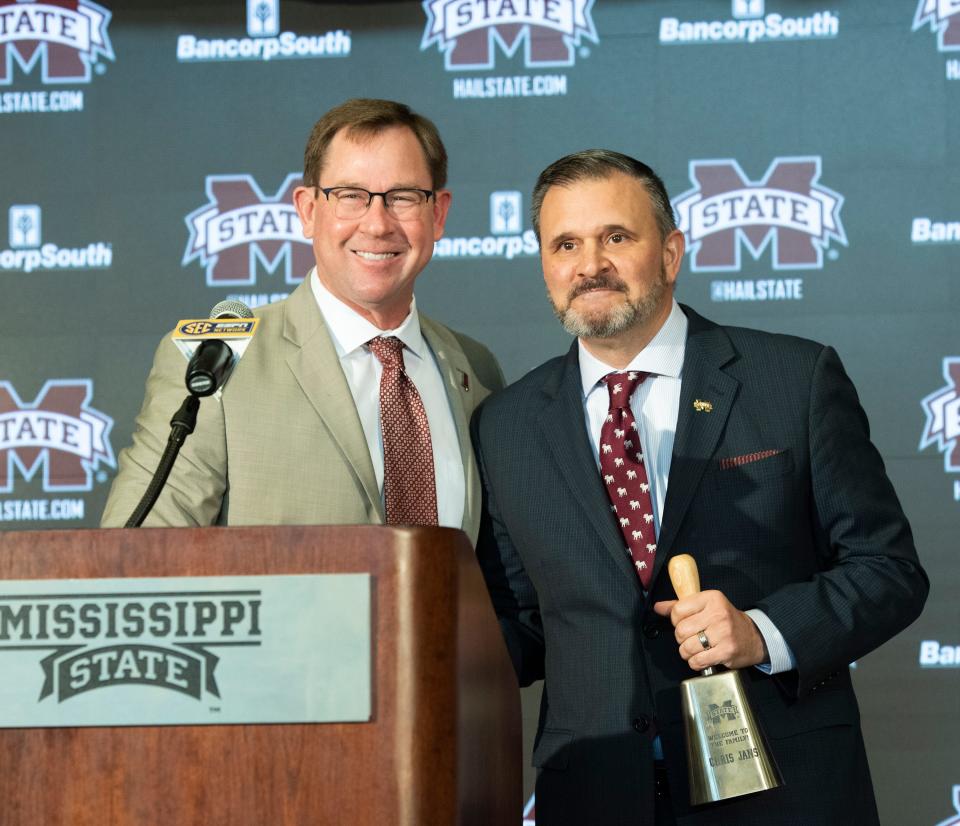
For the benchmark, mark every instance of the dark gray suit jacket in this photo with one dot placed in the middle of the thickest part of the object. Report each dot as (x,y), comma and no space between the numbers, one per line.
(814,536)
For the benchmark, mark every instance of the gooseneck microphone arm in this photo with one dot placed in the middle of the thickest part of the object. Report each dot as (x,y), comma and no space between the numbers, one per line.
(206,373)
(181,426)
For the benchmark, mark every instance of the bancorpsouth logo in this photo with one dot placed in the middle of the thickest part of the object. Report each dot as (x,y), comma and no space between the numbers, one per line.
(101,640)
(749,23)
(788,209)
(59,432)
(507,239)
(942,408)
(26,252)
(264,41)
(469,33)
(240,226)
(66,39)
(935,655)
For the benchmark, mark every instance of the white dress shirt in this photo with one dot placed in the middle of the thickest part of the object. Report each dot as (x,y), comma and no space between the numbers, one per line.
(350,332)
(656,407)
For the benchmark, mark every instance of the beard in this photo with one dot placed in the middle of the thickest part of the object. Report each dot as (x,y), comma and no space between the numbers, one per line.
(612,321)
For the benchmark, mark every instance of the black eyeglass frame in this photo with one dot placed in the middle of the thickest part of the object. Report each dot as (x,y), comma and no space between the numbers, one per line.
(428,193)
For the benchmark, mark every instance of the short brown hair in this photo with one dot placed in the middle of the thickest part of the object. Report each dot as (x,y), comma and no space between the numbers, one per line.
(598,164)
(366,117)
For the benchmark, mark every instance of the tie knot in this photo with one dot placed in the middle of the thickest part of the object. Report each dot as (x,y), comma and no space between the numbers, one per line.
(621,387)
(388,349)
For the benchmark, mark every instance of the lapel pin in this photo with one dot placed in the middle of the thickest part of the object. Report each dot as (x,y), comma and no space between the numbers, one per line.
(465,382)
(702,406)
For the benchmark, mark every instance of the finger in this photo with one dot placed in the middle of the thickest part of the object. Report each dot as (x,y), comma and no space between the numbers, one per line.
(690,647)
(718,624)
(684,608)
(665,607)
(704,659)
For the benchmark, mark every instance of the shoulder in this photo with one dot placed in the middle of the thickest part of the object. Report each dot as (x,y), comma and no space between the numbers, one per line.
(752,349)
(483,362)
(530,392)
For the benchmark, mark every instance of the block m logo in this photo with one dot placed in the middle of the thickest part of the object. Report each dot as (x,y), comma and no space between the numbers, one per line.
(58,432)
(725,210)
(240,226)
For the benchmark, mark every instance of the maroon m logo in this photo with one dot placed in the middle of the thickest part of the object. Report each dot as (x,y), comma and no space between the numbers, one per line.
(240,226)
(944,18)
(788,209)
(66,37)
(943,416)
(58,432)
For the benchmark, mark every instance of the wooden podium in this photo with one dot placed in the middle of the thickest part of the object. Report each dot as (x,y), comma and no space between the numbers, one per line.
(442,746)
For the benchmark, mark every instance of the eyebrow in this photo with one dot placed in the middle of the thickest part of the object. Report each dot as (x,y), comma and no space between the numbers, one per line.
(353,185)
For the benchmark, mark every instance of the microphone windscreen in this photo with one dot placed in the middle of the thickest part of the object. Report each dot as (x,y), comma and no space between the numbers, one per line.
(231,309)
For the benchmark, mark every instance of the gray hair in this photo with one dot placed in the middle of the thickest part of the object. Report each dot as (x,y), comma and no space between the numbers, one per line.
(598,164)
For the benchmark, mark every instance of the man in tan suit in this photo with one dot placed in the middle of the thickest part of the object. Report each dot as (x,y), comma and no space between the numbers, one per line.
(295,437)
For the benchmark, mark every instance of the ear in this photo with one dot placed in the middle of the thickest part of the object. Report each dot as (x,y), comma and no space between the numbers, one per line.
(306,206)
(673,248)
(441,206)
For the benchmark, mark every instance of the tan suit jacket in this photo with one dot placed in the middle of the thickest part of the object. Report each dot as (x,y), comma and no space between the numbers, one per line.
(283,444)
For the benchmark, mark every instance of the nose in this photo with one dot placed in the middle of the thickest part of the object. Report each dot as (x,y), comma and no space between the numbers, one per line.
(376,220)
(593,260)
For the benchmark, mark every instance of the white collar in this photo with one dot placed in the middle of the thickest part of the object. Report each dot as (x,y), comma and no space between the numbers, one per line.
(663,356)
(350,331)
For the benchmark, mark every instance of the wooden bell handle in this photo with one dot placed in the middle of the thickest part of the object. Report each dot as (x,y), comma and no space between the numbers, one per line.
(684,575)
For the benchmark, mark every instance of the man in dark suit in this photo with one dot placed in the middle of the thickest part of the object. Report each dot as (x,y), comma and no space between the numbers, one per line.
(662,433)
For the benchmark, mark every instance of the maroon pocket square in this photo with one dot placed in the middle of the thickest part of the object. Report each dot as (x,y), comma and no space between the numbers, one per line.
(746,458)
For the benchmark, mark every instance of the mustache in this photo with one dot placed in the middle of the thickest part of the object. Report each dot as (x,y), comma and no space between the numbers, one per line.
(598,282)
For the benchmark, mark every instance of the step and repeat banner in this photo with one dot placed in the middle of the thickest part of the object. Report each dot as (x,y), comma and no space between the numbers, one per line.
(148,151)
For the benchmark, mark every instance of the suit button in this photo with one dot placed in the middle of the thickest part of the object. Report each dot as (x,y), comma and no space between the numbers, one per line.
(641,724)
(651,630)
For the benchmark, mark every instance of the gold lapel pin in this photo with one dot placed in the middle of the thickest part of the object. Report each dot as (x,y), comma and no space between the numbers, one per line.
(702,406)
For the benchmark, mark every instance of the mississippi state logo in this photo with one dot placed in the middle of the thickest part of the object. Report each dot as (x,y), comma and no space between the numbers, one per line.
(944,18)
(718,712)
(530,812)
(788,210)
(467,31)
(66,38)
(58,432)
(943,416)
(240,226)
(954,819)
(103,640)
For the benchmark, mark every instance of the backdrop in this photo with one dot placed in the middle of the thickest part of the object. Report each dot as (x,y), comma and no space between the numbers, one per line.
(148,151)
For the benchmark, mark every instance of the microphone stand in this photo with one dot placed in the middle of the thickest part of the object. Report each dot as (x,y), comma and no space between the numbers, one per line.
(181,426)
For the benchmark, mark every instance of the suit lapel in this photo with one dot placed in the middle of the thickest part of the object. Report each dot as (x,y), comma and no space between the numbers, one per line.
(316,367)
(564,429)
(462,388)
(699,427)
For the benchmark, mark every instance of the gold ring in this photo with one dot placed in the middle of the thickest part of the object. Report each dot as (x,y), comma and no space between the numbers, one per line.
(702,636)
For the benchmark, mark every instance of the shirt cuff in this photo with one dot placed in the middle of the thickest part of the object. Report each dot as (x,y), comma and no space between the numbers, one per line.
(781,657)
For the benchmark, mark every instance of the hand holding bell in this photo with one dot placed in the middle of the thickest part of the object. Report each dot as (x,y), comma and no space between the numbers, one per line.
(709,629)
(727,754)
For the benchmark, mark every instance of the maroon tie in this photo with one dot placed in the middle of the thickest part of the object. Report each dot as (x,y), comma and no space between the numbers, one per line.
(624,474)
(409,484)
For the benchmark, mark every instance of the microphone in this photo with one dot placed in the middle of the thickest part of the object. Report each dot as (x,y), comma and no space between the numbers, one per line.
(208,367)
(204,342)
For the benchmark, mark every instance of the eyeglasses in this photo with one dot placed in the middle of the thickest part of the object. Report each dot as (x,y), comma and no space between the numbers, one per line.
(353,202)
